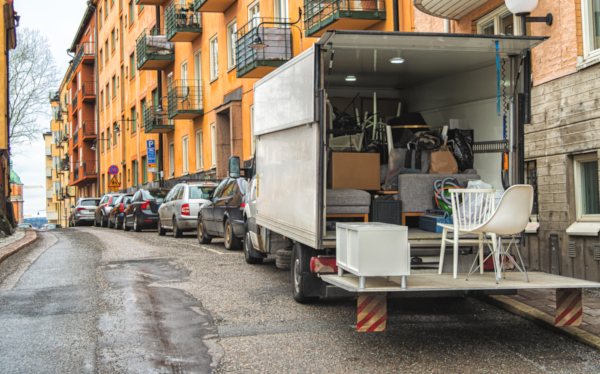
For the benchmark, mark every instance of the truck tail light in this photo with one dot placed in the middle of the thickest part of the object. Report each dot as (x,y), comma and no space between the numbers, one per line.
(185,210)
(145,205)
(121,208)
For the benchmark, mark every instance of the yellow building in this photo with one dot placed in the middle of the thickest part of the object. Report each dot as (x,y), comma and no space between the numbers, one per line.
(8,22)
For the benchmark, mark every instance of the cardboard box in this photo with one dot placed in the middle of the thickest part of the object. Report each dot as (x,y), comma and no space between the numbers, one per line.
(355,170)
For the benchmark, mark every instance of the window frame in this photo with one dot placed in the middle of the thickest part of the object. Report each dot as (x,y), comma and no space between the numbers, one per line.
(495,15)
(231,35)
(132,66)
(250,9)
(577,161)
(214,58)
(185,152)
(171,160)
(589,53)
(199,148)
(213,144)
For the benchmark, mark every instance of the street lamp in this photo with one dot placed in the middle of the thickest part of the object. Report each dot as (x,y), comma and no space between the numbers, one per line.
(523,8)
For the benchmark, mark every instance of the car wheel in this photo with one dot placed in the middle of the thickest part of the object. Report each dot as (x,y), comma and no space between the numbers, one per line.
(176,231)
(203,237)
(300,274)
(109,223)
(102,221)
(117,225)
(95,223)
(232,242)
(247,249)
(161,230)
(137,225)
(125,227)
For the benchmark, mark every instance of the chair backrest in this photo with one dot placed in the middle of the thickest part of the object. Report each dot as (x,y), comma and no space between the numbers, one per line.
(512,215)
(471,207)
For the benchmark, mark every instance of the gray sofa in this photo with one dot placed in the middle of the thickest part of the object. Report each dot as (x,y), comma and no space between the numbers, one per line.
(348,201)
(416,190)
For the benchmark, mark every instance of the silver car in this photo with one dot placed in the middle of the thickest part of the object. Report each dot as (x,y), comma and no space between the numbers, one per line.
(179,211)
(84,211)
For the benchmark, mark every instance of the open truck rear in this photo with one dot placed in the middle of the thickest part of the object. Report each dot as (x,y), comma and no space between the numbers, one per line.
(480,79)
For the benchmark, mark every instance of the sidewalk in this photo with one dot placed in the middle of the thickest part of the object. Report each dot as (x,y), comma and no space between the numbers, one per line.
(539,306)
(18,240)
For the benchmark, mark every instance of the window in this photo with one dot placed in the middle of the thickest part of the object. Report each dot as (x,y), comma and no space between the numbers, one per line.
(143,109)
(213,144)
(590,12)
(132,65)
(107,95)
(231,39)
(214,58)
(133,119)
(499,22)
(102,142)
(106,50)
(101,59)
(171,159)
(134,166)
(103,183)
(101,100)
(114,86)
(115,132)
(199,163)
(254,13)
(131,12)
(280,9)
(198,77)
(112,38)
(587,194)
(184,153)
(144,170)
(100,12)
(105,9)
(109,139)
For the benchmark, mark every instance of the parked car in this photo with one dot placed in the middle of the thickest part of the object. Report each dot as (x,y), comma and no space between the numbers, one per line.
(106,204)
(179,212)
(51,226)
(83,211)
(117,213)
(25,225)
(142,212)
(222,215)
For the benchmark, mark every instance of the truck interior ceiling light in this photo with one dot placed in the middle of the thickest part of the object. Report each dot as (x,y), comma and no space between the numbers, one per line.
(351,78)
(397,60)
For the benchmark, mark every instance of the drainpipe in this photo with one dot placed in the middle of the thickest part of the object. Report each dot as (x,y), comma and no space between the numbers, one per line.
(96,83)
(447,26)
(396,15)
(160,95)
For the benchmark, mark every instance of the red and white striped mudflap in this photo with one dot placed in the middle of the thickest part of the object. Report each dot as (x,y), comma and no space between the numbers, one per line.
(372,312)
(569,307)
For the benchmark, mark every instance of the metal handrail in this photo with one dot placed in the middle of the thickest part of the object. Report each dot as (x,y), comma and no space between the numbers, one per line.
(152,119)
(315,11)
(85,49)
(89,128)
(89,168)
(257,27)
(184,95)
(88,88)
(153,42)
(178,17)
(76,136)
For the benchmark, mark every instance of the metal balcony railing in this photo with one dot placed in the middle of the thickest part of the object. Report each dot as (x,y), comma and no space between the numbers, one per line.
(277,38)
(57,113)
(86,49)
(153,50)
(182,23)
(320,14)
(155,122)
(185,99)
(75,136)
(88,128)
(88,90)
(88,168)
(74,102)
(64,163)
(54,96)
(75,175)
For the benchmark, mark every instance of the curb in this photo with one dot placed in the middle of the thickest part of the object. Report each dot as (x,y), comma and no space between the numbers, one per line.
(6,252)
(542,319)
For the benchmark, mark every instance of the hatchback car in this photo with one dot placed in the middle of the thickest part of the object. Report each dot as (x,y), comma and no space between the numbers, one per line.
(106,204)
(142,212)
(84,211)
(179,212)
(117,213)
(222,215)
(25,225)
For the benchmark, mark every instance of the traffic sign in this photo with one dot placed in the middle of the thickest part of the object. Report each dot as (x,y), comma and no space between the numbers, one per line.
(114,183)
(151,153)
(113,170)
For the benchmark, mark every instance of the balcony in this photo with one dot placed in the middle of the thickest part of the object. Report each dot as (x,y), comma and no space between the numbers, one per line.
(185,99)
(153,51)
(74,102)
(75,137)
(88,130)
(212,5)
(88,92)
(182,24)
(86,54)
(48,172)
(54,96)
(49,194)
(322,15)
(150,2)
(83,172)
(48,151)
(278,40)
(155,122)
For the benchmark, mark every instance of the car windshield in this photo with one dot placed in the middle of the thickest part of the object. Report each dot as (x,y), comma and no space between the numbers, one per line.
(158,195)
(197,191)
(127,199)
(89,203)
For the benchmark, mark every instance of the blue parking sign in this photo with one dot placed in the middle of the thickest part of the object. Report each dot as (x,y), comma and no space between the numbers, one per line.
(151,153)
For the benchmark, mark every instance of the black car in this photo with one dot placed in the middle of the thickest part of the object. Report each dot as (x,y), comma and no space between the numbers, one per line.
(223,215)
(142,212)
(117,213)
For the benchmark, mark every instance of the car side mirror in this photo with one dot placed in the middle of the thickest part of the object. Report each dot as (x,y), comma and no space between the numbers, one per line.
(72,206)
(205,196)
(234,167)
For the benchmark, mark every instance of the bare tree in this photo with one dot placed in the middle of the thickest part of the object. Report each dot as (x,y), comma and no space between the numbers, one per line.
(33,74)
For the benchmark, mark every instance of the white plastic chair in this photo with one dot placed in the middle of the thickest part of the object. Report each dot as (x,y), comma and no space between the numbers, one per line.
(510,218)
(471,208)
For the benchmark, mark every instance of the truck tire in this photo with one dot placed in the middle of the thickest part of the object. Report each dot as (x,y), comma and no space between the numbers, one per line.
(203,237)
(247,248)
(232,242)
(284,259)
(300,272)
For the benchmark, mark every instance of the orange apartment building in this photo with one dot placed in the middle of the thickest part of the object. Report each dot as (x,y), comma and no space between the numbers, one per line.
(187,83)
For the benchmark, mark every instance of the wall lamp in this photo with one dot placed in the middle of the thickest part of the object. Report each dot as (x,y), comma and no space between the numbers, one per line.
(523,8)
(257,43)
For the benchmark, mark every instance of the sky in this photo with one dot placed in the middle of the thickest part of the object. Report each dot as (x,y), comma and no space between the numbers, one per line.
(59,22)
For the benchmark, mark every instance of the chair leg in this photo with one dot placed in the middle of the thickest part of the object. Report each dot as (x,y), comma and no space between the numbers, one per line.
(455,265)
(443,250)
(481,253)
(495,257)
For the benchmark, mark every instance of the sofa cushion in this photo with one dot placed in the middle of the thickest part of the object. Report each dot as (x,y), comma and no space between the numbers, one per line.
(348,197)
(357,209)
(416,190)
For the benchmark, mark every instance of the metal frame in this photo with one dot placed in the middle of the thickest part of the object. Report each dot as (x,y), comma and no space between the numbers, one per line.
(319,14)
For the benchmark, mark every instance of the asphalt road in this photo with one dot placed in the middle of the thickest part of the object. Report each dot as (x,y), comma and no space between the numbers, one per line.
(98,300)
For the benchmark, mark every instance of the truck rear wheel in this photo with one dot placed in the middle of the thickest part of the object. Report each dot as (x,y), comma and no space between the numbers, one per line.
(283,259)
(300,274)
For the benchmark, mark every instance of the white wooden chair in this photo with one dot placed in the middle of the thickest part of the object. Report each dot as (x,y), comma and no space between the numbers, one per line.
(510,218)
(470,209)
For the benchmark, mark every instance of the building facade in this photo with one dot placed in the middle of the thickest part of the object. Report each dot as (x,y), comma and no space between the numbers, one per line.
(562,140)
